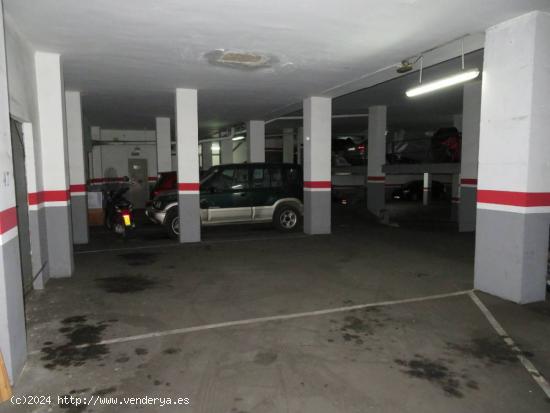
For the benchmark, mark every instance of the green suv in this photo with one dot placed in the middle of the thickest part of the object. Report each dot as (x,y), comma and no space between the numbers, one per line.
(238,194)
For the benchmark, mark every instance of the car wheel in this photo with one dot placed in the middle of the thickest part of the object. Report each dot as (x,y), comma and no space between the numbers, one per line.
(286,218)
(172,223)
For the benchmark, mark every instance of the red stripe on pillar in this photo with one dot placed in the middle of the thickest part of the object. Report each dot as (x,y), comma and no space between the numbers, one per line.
(376,178)
(189,186)
(468,181)
(8,219)
(78,188)
(521,199)
(36,198)
(317,184)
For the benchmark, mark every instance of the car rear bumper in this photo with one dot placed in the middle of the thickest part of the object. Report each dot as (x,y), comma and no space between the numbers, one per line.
(155,215)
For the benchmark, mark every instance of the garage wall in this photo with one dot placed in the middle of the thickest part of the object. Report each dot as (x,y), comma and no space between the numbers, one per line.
(121,145)
(23,107)
(12,316)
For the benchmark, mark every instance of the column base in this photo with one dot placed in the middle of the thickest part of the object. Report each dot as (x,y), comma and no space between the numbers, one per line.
(376,197)
(59,241)
(190,219)
(467,209)
(317,212)
(79,219)
(511,256)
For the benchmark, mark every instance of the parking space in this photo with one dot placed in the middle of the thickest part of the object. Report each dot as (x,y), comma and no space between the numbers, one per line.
(265,325)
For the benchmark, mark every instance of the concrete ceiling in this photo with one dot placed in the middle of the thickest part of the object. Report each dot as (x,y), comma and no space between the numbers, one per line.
(127,56)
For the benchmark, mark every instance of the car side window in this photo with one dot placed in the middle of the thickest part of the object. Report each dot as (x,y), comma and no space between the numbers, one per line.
(267,178)
(292,176)
(260,178)
(222,181)
(240,179)
(276,177)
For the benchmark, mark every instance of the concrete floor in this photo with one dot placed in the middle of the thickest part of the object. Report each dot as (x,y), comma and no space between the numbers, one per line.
(438,355)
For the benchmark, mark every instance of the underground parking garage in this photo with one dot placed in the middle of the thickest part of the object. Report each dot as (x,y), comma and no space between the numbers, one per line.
(320,207)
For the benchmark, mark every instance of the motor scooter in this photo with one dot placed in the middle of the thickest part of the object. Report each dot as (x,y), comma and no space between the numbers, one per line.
(119,212)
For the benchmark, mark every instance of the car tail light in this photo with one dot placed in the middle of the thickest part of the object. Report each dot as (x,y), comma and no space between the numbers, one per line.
(361,147)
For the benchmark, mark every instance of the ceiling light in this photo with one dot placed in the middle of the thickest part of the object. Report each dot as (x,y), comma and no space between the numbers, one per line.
(442,83)
(238,138)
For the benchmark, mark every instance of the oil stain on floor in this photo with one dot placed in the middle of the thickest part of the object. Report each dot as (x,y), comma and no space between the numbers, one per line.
(80,346)
(439,373)
(126,284)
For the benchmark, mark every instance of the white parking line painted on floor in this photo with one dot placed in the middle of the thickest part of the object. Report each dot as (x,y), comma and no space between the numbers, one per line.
(259,320)
(204,242)
(531,369)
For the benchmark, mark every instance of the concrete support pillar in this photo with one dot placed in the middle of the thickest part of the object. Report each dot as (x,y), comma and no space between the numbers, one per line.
(256,140)
(376,179)
(317,167)
(187,138)
(77,169)
(226,151)
(288,145)
(207,155)
(300,145)
(455,197)
(469,156)
(513,198)
(164,145)
(457,121)
(13,341)
(426,188)
(97,168)
(55,167)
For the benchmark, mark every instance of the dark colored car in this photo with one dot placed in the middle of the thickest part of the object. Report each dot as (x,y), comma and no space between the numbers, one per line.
(446,145)
(412,191)
(240,193)
(352,151)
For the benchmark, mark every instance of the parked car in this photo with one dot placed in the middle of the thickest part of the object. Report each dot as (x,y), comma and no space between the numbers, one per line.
(240,193)
(412,191)
(445,145)
(352,151)
(166,181)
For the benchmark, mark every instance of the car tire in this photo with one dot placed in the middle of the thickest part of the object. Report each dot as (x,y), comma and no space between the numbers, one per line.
(172,222)
(287,218)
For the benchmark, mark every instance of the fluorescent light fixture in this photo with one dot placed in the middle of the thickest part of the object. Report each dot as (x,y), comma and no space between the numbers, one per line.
(215,146)
(442,83)
(238,138)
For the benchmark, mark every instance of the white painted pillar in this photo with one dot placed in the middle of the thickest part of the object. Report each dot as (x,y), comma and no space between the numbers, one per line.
(469,156)
(55,167)
(187,138)
(226,149)
(317,166)
(376,179)
(288,145)
(300,145)
(164,145)
(513,197)
(77,169)
(256,140)
(426,188)
(207,155)
(13,341)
